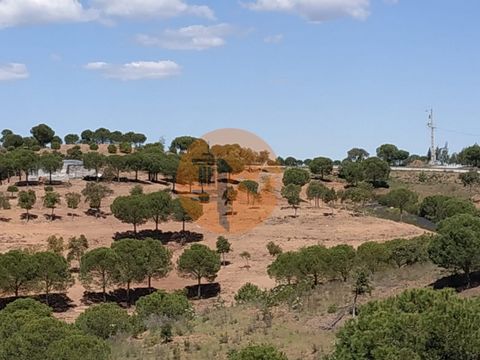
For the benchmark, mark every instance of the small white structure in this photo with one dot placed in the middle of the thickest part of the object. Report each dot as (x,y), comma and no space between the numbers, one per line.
(72,169)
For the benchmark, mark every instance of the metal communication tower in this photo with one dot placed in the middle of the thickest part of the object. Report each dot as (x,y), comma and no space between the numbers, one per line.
(431,125)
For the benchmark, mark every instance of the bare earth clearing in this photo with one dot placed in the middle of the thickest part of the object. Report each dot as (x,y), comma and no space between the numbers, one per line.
(309,228)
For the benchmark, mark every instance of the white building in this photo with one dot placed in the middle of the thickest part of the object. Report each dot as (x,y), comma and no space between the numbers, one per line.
(72,169)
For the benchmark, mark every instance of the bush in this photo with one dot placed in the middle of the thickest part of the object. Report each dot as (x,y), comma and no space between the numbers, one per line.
(27,304)
(163,304)
(112,149)
(332,309)
(32,339)
(78,347)
(418,324)
(74,153)
(274,249)
(422,177)
(136,190)
(166,333)
(4,202)
(440,207)
(288,294)
(12,189)
(296,176)
(204,198)
(55,244)
(372,256)
(93,147)
(248,293)
(48,188)
(55,145)
(28,331)
(456,246)
(257,352)
(104,321)
(402,199)
(125,148)
(406,252)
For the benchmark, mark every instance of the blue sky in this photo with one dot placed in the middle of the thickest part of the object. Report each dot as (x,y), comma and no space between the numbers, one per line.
(311,77)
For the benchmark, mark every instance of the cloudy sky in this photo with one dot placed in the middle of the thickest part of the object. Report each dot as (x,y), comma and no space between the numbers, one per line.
(312,77)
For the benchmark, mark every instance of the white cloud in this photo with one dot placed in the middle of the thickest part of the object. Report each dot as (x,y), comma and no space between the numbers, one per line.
(273,39)
(55,57)
(151,8)
(138,70)
(13,71)
(21,12)
(96,65)
(195,37)
(315,10)
(27,12)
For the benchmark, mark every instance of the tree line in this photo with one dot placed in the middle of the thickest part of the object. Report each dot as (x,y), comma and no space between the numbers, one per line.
(362,177)
(188,160)
(130,261)
(126,262)
(43,135)
(390,153)
(137,208)
(317,264)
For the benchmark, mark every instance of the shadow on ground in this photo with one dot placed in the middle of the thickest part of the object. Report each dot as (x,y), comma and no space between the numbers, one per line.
(457,282)
(182,237)
(118,296)
(207,291)
(60,303)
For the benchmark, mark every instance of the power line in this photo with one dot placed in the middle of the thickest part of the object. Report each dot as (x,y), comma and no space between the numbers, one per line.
(458,132)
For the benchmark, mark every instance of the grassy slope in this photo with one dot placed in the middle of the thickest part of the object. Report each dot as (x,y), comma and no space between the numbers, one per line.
(296,331)
(436,184)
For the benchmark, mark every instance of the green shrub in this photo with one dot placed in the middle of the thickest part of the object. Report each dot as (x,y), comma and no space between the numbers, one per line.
(12,189)
(112,149)
(248,293)
(422,177)
(406,252)
(163,304)
(104,321)
(418,324)
(204,198)
(372,256)
(274,249)
(4,202)
(27,304)
(78,347)
(166,333)
(125,148)
(332,309)
(439,207)
(93,147)
(257,352)
(136,190)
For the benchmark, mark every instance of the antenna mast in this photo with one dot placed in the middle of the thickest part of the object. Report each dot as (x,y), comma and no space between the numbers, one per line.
(432,127)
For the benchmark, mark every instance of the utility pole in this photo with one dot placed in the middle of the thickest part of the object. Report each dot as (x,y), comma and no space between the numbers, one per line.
(431,125)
